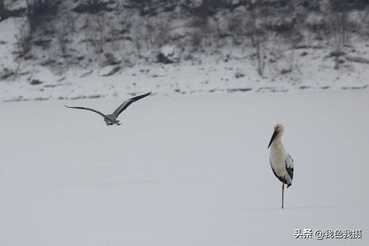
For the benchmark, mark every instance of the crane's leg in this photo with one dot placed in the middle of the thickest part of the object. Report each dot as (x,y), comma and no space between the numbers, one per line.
(282,195)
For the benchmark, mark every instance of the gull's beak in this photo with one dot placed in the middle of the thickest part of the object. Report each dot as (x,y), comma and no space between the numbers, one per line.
(272,139)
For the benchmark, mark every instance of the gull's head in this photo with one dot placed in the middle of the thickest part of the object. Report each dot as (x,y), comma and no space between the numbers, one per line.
(278,132)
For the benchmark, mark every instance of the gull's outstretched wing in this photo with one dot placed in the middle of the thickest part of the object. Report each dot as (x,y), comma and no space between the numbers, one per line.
(128,102)
(89,109)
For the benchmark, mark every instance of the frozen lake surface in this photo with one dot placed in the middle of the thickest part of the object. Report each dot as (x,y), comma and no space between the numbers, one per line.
(183,170)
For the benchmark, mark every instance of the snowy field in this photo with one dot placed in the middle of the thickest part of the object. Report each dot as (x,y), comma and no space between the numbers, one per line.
(183,170)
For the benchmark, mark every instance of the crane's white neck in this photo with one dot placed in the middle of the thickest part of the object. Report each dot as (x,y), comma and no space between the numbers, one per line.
(277,142)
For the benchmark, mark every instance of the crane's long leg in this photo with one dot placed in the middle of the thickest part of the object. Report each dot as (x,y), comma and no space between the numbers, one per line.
(282,195)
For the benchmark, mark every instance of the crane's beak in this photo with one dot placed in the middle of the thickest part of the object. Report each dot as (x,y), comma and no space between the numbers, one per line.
(272,138)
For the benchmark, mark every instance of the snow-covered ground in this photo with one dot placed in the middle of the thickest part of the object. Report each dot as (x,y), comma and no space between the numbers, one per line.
(183,170)
(211,75)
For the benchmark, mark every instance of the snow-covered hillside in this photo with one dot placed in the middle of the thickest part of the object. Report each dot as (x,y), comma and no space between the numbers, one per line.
(186,170)
(211,75)
(75,52)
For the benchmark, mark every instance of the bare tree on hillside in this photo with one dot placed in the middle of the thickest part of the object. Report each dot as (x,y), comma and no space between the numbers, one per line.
(258,38)
(37,10)
(338,28)
(2,9)
(23,40)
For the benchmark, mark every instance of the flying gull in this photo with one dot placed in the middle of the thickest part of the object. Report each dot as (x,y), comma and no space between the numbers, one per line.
(112,119)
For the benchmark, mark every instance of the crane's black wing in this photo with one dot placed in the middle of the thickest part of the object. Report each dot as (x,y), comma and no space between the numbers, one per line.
(128,102)
(89,109)
(289,166)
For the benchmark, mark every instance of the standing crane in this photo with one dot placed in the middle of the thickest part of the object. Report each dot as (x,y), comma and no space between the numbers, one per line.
(280,161)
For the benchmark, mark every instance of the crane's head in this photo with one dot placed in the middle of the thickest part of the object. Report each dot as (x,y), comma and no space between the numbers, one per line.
(278,132)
